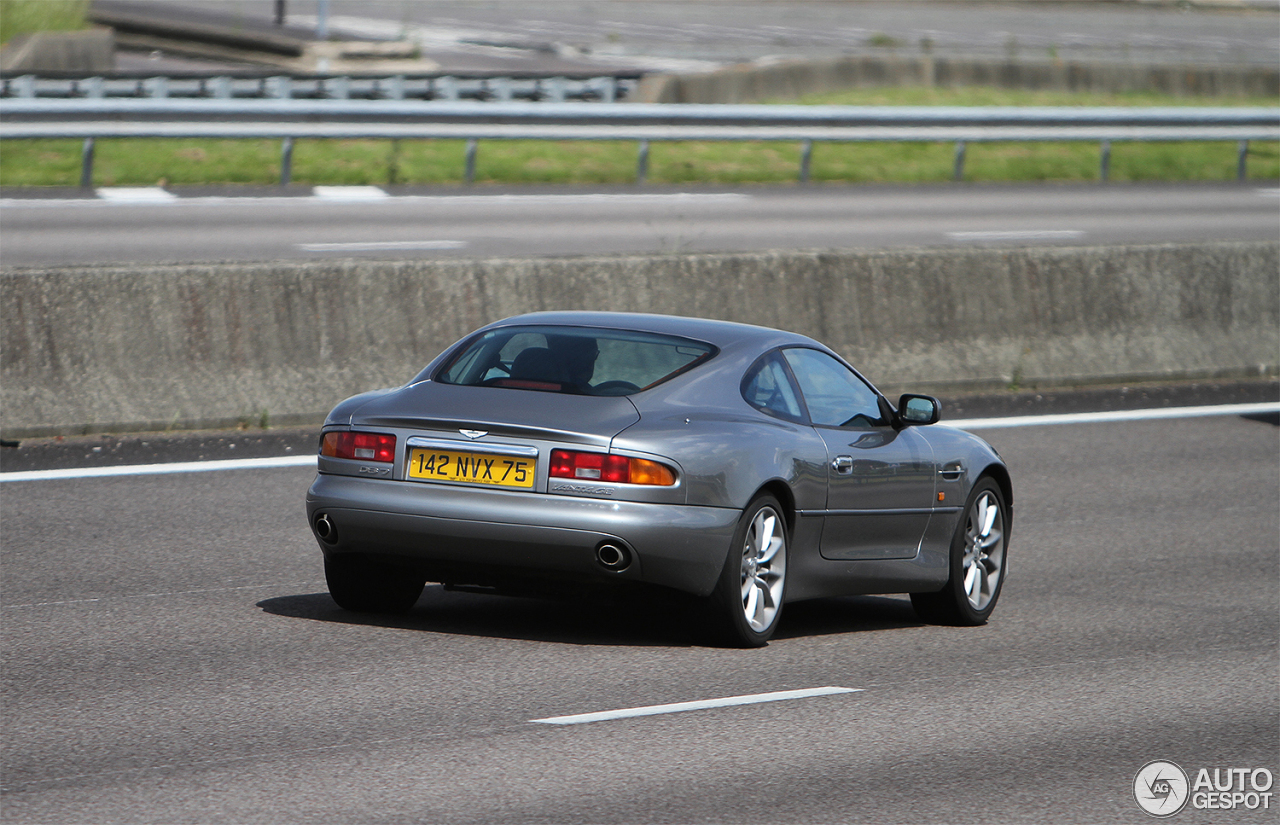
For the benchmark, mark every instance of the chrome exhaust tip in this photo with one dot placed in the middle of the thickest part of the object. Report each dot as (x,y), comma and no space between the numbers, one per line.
(613,557)
(324,528)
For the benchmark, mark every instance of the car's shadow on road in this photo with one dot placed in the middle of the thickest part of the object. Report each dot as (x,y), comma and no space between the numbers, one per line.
(1272,418)
(661,621)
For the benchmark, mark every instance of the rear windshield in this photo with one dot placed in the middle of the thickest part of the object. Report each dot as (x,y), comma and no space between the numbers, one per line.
(578,360)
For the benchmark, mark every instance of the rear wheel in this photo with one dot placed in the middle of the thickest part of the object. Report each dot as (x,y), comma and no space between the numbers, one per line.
(977,562)
(750,592)
(364,586)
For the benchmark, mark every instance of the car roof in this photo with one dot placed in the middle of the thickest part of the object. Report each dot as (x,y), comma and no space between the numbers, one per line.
(722,334)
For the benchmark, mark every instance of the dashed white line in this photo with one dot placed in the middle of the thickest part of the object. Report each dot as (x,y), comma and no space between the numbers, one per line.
(349,193)
(960,423)
(377,246)
(135,194)
(706,704)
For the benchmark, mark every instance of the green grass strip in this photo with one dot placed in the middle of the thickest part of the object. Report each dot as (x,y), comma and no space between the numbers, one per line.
(27,16)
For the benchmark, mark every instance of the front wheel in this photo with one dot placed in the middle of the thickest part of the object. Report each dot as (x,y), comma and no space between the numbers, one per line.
(750,592)
(977,562)
(363,586)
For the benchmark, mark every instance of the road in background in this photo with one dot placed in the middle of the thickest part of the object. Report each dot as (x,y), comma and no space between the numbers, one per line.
(364,222)
(171,655)
(692,36)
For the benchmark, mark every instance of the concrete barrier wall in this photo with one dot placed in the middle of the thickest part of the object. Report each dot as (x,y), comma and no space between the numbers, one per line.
(751,82)
(157,347)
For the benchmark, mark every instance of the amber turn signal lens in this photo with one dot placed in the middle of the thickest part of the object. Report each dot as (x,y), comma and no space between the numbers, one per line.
(644,471)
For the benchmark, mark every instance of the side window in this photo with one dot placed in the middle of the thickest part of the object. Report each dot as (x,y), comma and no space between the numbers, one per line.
(836,397)
(768,389)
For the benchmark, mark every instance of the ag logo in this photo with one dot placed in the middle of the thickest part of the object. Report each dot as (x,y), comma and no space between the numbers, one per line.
(1161,788)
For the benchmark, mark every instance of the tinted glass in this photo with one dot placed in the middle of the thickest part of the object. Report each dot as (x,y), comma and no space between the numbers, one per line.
(768,388)
(576,360)
(836,397)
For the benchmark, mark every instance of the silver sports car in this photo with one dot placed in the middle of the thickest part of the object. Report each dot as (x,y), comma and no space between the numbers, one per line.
(747,466)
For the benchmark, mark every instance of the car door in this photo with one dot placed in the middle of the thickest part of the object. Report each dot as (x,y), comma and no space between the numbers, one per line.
(880,480)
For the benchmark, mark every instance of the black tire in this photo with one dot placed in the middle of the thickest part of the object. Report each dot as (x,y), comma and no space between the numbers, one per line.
(977,545)
(363,586)
(761,536)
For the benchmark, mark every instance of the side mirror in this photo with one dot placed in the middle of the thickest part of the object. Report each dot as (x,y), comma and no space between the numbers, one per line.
(919,409)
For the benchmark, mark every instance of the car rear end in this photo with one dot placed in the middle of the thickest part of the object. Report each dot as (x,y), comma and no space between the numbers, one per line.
(500,469)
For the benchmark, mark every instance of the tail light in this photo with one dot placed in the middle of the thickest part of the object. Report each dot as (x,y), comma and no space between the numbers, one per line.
(359,446)
(617,469)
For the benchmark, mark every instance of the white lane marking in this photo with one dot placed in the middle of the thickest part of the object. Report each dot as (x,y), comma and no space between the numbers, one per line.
(680,707)
(349,193)
(160,595)
(959,423)
(135,194)
(1119,415)
(1269,193)
(1018,235)
(444,200)
(161,469)
(375,246)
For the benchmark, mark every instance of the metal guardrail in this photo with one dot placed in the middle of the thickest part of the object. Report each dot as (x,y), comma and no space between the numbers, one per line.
(289,120)
(487,86)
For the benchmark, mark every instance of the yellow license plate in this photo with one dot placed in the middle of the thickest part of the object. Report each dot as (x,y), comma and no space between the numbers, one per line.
(479,468)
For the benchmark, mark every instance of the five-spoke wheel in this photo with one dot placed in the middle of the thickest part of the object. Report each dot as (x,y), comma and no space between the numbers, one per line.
(977,562)
(753,583)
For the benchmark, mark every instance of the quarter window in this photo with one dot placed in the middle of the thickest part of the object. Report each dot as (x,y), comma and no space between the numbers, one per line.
(769,389)
(834,394)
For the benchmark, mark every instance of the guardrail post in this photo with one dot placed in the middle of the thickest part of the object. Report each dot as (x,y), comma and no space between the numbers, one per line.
(1105,171)
(23,86)
(499,88)
(86,164)
(279,87)
(93,88)
(157,87)
(221,86)
(336,88)
(471,161)
(444,88)
(551,88)
(393,163)
(958,173)
(642,163)
(1242,161)
(286,161)
(608,89)
(806,154)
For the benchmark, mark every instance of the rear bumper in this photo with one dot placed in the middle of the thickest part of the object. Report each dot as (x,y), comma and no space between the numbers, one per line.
(476,536)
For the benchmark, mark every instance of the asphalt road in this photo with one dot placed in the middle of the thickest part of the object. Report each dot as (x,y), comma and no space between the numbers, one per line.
(461,35)
(171,656)
(197,226)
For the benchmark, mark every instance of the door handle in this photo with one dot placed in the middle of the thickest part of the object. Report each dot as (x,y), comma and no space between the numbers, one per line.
(842,464)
